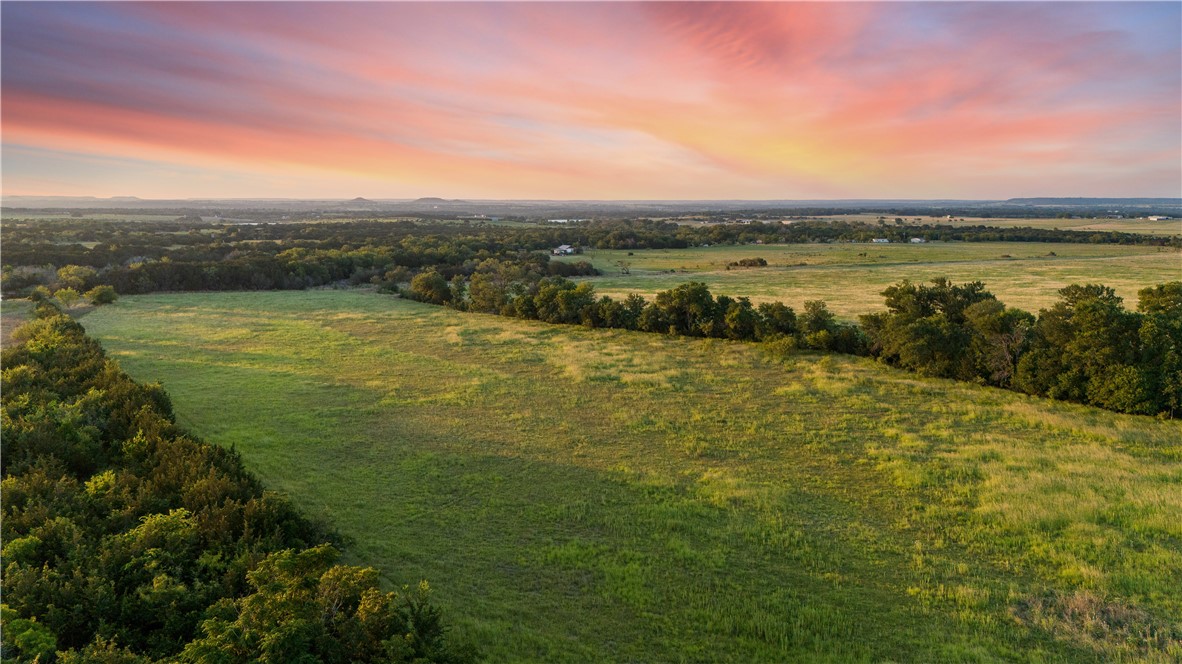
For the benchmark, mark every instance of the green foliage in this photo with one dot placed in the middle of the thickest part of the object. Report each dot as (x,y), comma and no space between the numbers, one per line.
(303,608)
(1089,349)
(118,528)
(749,262)
(1163,299)
(32,641)
(775,319)
(556,483)
(430,286)
(100,295)
(76,277)
(68,297)
(689,309)
(101,651)
(816,318)
(1000,336)
(40,294)
(926,329)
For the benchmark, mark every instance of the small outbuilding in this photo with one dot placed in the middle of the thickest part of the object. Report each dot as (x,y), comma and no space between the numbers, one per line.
(563,250)
(880,240)
(917,240)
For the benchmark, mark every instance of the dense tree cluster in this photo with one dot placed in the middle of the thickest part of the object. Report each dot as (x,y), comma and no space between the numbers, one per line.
(505,288)
(1087,348)
(748,262)
(140,257)
(127,540)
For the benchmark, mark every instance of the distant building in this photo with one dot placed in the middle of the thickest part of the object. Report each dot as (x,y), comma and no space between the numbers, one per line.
(563,250)
(1158,218)
(880,240)
(917,240)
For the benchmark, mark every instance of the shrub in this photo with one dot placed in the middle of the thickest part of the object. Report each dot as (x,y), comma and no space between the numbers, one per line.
(100,295)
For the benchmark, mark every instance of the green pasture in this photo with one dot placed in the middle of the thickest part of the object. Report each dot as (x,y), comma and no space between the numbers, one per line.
(58,215)
(581,495)
(1142,226)
(13,314)
(850,277)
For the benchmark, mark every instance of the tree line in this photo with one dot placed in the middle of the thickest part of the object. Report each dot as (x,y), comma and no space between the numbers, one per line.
(128,540)
(141,257)
(1087,348)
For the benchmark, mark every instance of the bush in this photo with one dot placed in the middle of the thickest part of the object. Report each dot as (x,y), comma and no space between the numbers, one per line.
(67,296)
(100,295)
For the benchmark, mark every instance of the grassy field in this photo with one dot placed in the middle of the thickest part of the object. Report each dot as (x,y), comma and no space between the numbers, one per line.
(1141,226)
(588,495)
(850,277)
(13,314)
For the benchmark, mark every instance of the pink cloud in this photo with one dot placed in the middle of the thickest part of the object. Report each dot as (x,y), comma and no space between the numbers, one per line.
(639,100)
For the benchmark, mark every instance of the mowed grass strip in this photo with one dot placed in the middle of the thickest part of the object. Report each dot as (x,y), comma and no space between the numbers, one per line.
(595,495)
(850,277)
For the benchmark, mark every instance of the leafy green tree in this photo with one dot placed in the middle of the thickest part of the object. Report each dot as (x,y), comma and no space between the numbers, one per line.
(741,319)
(305,608)
(1085,349)
(459,292)
(67,296)
(430,286)
(33,641)
(1000,335)
(816,318)
(77,277)
(1161,345)
(40,294)
(689,309)
(652,319)
(102,651)
(633,306)
(926,328)
(120,532)
(485,294)
(100,295)
(1163,299)
(775,319)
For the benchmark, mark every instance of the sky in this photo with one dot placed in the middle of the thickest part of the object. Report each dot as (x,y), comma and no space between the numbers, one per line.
(619,100)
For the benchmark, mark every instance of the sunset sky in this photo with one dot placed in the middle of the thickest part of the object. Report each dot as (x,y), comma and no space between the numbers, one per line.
(592,100)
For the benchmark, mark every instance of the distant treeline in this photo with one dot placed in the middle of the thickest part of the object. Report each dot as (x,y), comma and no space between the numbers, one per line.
(127,540)
(141,257)
(1087,348)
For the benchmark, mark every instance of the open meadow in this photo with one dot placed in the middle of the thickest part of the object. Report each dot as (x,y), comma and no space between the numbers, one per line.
(850,277)
(1141,225)
(581,495)
(13,314)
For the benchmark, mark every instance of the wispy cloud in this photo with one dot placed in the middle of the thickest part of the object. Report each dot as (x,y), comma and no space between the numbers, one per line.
(769,100)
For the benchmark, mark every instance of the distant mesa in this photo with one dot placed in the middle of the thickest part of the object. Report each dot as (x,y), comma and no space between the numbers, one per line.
(360,200)
(436,200)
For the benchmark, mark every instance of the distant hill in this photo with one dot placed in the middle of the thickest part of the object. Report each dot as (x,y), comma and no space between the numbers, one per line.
(578,209)
(1094,201)
(433,200)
